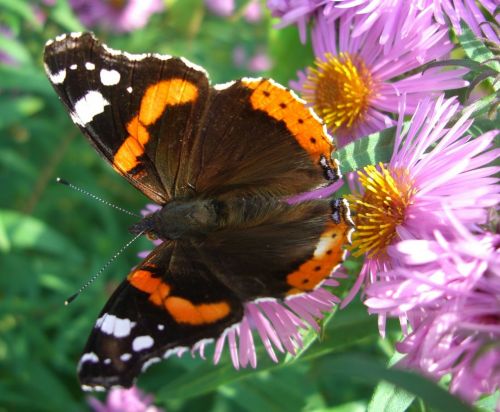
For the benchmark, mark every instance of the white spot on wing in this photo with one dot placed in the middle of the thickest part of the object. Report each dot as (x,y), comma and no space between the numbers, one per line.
(56,78)
(194,66)
(135,57)
(109,77)
(129,89)
(149,362)
(223,86)
(142,342)
(323,246)
(73,67)
(89,357)
(125,357)
(112,325)
(90,66)
(61,37)
(162,56)
(89,106)
(107,361)
(161,327)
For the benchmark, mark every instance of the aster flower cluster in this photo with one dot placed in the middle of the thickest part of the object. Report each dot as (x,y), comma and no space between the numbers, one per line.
(431,257)
(429,261)
(119,16)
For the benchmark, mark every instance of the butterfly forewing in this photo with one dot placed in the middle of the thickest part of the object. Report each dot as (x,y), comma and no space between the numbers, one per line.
(140,112)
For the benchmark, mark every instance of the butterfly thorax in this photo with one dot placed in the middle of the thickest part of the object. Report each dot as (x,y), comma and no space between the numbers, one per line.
(196,218)
(181,219)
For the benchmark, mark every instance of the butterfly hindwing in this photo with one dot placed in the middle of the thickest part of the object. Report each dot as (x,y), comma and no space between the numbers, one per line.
(281,250)
(168,303)
(139,111)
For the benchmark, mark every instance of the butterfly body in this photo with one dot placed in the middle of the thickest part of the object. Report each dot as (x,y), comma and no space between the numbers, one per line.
(223,163)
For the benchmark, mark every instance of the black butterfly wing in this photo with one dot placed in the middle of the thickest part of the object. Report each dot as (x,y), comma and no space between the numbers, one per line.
(258,138)
(140,112)
(170,302)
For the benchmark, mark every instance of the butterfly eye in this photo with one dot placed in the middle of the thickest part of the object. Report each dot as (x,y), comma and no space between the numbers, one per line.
(151,236)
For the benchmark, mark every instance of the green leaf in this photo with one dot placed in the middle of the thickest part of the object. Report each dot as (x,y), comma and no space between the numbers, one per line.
(288,54)
(349,327)
(15,49)
(16,109)
(481,106)
(24,79)
(21,8)
(476,50)
(63,15)
(26,232)
(390,398)
(369,370)
(369,150)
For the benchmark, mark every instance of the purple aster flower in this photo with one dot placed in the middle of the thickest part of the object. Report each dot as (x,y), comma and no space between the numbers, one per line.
(278,323)
(253,11)
(124,400)
(431,166)
(260,62)
(222,8)
(357,82)
(239,56)
(369,11)
(119,15)
(6,58)
(366,11)
(470,11)
(450,292)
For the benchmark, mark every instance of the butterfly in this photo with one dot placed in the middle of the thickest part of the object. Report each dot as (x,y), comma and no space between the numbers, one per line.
(221,162)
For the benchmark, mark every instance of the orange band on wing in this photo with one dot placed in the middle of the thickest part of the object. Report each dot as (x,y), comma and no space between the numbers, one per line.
(327,255)
(184,311)
(144,280)
(165,93)
(181,309)
(281,105)
(153,104)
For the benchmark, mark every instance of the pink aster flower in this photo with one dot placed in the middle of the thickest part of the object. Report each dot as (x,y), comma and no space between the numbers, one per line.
(431,166)
(222,8)
(357,83)
(119,16)
(260,62)
(6,58)
(450,292)
(472,12)
(277,323)
(253,11)
(124,400)
(366,11)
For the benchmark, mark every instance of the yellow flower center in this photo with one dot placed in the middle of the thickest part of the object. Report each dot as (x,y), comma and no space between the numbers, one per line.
(381,209)
(340,90)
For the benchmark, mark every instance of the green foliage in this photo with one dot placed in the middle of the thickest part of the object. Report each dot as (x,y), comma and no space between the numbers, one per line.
(52,239)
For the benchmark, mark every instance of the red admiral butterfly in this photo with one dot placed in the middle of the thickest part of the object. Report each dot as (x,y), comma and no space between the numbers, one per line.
(220,161)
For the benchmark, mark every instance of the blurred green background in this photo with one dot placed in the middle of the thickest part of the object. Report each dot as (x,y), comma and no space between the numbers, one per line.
(52,238)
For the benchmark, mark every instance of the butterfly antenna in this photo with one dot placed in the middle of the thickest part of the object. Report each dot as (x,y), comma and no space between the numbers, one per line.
(80,190)
(102,269)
